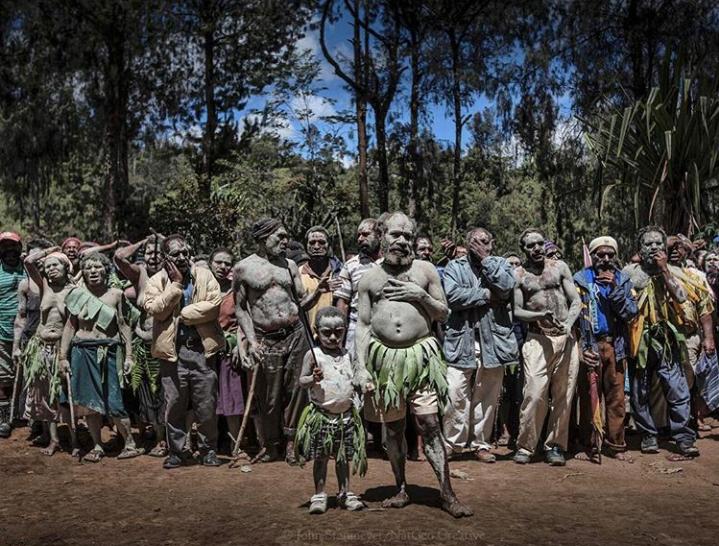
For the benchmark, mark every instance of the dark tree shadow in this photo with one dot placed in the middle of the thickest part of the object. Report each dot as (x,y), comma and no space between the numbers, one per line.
(425,496)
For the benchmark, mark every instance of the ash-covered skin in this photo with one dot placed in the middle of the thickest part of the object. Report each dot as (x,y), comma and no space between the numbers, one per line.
(423,249)
(545,291)
(654,263)
(221,267)
(397,303)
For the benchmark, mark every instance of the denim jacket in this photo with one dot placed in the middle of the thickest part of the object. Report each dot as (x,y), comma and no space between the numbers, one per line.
(468,292)
(623,303)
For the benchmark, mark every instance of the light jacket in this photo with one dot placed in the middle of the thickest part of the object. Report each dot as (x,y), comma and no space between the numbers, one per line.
(163,300)
(468,294)
(623,304)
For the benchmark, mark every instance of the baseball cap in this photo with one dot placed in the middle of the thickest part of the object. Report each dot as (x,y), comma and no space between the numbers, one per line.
(10,236)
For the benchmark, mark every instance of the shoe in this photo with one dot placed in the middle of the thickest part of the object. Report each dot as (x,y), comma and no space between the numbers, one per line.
(649,444)
(555,457)
(484,456)
(350,501)
(688,449)
(210,459)
(5,428)
(318,503)
(173,461)
(522,457)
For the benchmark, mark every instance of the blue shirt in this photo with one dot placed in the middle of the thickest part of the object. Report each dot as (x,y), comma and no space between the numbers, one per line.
(184,331)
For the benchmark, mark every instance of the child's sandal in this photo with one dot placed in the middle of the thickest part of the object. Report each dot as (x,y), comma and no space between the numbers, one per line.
(318,503)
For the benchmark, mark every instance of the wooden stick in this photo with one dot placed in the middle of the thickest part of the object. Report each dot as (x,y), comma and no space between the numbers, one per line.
(339,234)
(13,399)
(71,401)
(246,416)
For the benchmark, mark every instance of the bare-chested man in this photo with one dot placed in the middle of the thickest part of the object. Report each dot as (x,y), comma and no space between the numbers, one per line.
(95,337)
(397,304)
(39,359)
(546,298)
(146,373)
(268,288)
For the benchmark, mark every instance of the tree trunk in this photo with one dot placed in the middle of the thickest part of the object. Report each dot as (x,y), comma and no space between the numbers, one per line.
(379,120)
(414,161)
(208,138)
(361,108)
(457,114)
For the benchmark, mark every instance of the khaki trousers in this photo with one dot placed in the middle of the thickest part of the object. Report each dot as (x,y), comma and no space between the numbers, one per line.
(551,364)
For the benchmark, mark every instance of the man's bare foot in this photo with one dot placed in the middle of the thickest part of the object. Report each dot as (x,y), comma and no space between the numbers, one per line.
(266,455)
(400,500)
(456,508)
(52,448)
(588,457)
(620,456)
(41,441)
(418,456)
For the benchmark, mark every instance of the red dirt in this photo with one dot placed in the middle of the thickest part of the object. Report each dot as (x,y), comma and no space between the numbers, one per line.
(58,501)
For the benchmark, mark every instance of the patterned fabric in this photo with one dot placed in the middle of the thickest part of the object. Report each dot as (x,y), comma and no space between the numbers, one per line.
(351,275)
(10,278)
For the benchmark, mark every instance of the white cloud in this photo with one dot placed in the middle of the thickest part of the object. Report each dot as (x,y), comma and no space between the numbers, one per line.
(311,42)
(314,106)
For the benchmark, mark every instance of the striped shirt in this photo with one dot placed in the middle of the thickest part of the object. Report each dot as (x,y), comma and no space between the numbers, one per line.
(351,275)
(9,280)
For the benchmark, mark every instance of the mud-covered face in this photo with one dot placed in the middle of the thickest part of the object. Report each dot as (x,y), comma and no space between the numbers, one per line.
(423,249)
(603,258)
(10,252)
(514,261)
(534,248)
(397,240)
(711,267)
(331,332)
(71,249)
(652,243)
(179,254)
(276,243)
(368,239)
(153,257)
(221,265)
(317,245)
(94,273)
(55,270)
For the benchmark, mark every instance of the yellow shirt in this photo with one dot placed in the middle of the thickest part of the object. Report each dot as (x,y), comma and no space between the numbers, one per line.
(310,280)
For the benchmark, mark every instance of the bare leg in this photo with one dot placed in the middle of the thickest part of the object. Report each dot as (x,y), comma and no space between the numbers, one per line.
(420,441)
(342,470)
(54,445)
(44,438)
(429,426)
(124,427)
(94,426)
(397,454)
(319,472)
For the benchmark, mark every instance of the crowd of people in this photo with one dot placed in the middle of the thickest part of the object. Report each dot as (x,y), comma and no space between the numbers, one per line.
(291,353)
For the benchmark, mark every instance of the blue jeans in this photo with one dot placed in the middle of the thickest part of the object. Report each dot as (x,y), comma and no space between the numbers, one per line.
(676,391)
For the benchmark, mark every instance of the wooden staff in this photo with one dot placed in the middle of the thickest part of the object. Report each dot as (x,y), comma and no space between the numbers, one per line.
(71,400)
(15,388)
(245,417)
(339,234)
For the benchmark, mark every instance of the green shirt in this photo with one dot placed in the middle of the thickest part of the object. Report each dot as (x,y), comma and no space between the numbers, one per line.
(10,278)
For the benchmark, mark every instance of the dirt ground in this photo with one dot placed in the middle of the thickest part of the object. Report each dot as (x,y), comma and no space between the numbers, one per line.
(59,501)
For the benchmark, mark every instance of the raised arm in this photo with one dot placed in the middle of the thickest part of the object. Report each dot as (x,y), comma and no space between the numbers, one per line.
(122,261)
(206,310)
(160,302)
(32,269)
(99,248)
(460,296)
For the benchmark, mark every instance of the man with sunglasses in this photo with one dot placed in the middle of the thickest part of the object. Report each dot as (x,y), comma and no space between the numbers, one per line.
(608,305)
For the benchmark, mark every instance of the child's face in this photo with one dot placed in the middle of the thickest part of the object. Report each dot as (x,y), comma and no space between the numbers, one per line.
(331,331)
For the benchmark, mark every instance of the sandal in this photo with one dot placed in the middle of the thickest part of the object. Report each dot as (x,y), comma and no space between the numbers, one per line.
(130,453)
(94,455)
(318,503)
(160,450)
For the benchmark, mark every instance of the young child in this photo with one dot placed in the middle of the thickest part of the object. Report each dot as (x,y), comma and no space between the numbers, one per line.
(331,426)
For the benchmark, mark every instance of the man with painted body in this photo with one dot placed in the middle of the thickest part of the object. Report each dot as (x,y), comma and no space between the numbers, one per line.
(396,306)
(268,297)
(656,347)
(545,297)
(96,350)
(479,343)
(368,241)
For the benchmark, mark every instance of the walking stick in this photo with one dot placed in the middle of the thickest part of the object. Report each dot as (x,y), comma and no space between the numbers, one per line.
(339,235)
(71,401)
(246,416)
(15,388)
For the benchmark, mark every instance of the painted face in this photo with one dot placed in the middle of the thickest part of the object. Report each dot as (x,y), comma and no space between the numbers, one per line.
(652,243)
(55,270)
(397,240)
(553,254)
(367,239)
(153,257)
(10,252)
(221,265)
(514,261)
(677,252)
(179,254)
(534,248)
(276,243)
(331,332)
(317,245)
(94,273)
(70,250)
(604,258)
(423,249)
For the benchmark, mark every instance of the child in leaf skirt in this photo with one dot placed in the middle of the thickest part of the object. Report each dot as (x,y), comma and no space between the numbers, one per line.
(330,426)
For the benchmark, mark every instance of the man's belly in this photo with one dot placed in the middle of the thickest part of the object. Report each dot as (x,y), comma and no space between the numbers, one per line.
(273,310)
(398,323)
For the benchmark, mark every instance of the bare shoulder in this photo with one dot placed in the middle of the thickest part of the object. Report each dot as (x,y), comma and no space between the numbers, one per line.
(246,264)
(371,278)
(563,269)
(520,273)
(425,270)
